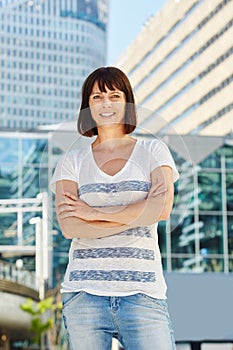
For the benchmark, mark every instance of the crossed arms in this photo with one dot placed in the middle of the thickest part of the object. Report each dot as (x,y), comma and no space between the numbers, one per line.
(79,220)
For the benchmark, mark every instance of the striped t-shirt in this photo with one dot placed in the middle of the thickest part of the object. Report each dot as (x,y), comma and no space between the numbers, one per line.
(128,262)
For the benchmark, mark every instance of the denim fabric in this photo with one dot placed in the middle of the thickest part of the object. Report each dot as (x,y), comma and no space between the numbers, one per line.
(138,321)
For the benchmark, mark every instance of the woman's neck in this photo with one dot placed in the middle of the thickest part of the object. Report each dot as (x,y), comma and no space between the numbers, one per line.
(110,134)
(111,140)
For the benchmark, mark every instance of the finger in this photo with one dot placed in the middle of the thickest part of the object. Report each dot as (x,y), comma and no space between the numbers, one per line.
(66,202)
(71,196)
(64,209)
(66,214)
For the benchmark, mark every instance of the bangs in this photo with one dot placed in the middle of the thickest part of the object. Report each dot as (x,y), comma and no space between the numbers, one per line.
(109,80)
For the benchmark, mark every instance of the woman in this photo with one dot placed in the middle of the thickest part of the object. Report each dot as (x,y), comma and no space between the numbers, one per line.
(109,198)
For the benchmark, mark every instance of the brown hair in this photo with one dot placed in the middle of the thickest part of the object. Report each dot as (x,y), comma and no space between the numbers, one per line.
(110,77)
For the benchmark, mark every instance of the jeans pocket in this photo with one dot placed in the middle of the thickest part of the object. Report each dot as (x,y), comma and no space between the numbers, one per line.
(68,297)
(162,303)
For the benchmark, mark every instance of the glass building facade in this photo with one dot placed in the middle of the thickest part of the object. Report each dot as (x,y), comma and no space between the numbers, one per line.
(23,175)
(47,49)
(198,237)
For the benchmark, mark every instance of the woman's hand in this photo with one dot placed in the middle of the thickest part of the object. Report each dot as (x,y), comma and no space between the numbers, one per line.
(73,206)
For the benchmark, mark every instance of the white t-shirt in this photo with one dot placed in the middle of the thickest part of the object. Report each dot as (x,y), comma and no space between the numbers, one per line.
(129,262)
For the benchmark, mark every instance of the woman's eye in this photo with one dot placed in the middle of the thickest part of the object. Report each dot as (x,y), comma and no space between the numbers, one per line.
(115,96)
(96,97)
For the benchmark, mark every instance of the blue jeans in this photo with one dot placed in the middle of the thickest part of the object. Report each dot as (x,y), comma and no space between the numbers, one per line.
(138,321)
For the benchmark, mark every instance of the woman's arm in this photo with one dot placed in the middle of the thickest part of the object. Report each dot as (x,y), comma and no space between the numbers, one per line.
(74,227)
(156,207)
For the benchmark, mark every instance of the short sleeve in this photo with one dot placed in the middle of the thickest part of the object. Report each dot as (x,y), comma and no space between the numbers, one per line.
(66,169)
(161,156)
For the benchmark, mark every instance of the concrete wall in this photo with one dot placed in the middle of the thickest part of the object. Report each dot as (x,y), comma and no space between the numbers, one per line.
(201,305)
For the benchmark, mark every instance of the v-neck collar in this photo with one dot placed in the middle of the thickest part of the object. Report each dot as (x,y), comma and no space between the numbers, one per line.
(122,169)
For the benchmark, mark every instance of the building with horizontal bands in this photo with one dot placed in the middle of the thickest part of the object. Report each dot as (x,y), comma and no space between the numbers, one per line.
(181,68)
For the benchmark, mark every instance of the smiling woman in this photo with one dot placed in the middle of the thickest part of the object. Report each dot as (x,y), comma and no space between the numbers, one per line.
(109,199)
(107,107)
(102,80)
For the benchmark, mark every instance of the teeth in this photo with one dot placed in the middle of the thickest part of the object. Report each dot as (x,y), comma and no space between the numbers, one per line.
(106,114)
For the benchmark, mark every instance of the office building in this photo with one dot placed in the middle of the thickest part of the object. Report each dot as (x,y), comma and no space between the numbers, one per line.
(47,49)
(181,68)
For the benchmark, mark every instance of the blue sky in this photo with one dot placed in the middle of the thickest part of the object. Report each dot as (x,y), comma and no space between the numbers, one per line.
(126,19)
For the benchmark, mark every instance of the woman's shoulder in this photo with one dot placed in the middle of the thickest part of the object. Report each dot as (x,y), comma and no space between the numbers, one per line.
(151,143)
(75,155)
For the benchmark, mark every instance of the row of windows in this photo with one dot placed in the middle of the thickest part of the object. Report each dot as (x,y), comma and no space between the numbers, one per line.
(41,43)
(46,55)
(218,115)
(165,37)
(69,67)
(18,106)
(188,61)
(184,41)
(53,118)
(37,109)
(26,77)
(47,34)
(213,65)
(65,89)
(54,25)
(200,76)
(206,97)
(32,96)
(42,21)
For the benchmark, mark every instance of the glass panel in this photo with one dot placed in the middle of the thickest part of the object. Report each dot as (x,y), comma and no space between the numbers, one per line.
(213,161)
(8,150)
(212,265)
(8,181)
(229,190)
(33,149)
(30,182)
(179,161)
(184,192)
(230,234)
(210,197)
(28,229)
(162,239)
(228,150)
(211,234)
(182,234)
(184,264)
(8,229)
(60,256)
(231,265)
(43,179)
(162,236)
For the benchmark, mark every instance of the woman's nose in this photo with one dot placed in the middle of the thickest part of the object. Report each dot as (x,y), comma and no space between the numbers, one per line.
(106,101)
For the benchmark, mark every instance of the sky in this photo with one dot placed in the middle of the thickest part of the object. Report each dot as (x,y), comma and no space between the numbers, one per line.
(126,20)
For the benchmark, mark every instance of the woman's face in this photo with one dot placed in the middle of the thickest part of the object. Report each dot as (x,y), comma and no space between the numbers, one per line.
(107,108)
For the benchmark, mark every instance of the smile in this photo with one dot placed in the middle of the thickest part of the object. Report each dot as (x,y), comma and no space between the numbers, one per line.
(107,115)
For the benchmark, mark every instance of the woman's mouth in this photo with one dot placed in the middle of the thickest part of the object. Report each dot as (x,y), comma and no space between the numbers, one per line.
(107,115)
